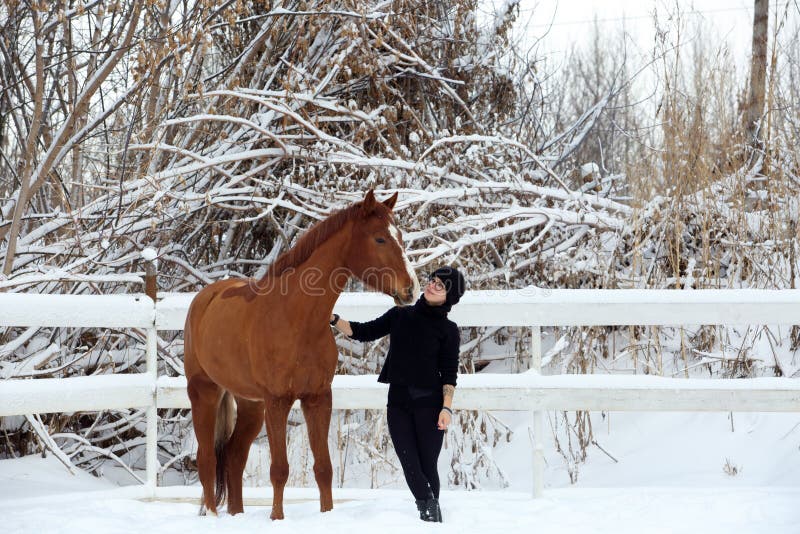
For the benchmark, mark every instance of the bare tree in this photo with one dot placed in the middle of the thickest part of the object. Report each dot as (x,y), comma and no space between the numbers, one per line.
(43,83)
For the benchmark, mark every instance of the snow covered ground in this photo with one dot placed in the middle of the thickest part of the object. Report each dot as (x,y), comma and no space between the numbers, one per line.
(670,477)
(619,511)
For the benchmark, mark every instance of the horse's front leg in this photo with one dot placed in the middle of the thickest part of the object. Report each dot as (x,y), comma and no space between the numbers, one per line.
(276,414)
(317,411)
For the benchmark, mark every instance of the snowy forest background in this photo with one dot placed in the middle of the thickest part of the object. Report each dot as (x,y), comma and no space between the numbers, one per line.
(216,132)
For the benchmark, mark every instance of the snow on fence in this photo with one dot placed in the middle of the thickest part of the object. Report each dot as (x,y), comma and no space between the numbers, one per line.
(530,307)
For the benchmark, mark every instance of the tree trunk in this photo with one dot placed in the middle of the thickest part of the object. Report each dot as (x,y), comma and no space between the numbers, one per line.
(30,147)
(758,74)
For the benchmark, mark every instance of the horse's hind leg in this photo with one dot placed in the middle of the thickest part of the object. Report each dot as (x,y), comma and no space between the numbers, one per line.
(317,411)
(276,411)
(249,418)
(205,396)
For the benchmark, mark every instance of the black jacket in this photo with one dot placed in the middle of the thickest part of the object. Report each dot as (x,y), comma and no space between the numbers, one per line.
(423,344)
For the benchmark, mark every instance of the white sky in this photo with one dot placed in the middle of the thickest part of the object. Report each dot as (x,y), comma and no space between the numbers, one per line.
(572,20)
(561,24)
(551,28)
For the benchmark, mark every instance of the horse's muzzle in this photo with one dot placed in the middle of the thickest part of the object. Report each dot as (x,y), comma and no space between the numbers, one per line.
(404,297)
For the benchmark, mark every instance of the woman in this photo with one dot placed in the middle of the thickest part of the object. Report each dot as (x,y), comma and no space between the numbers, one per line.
(420,368)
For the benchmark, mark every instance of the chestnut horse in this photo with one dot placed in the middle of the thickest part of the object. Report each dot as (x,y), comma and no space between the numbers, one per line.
(254,347)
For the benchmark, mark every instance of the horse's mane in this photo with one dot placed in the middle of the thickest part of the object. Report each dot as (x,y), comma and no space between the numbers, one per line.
(316,235)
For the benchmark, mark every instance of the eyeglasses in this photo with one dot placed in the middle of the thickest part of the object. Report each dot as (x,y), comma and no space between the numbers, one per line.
(437,284)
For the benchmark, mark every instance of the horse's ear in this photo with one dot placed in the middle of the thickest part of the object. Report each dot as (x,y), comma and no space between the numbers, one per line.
(368,204)
(390,202)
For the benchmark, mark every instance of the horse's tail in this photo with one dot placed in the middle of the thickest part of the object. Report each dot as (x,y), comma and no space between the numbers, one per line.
(223,429)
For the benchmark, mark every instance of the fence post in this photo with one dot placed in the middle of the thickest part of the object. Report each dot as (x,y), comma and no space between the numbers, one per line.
(538,417)
(151,434)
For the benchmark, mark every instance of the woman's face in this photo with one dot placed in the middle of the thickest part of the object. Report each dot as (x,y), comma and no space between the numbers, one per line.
(435,292)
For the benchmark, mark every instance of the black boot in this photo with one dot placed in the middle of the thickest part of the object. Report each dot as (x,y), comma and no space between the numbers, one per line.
(437,510)
(423,509)
(429,509)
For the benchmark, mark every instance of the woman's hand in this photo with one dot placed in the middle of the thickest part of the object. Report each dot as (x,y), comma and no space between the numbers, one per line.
(342,325)
(444,419)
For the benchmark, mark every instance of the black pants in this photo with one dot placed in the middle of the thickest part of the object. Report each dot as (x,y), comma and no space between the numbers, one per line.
(417,442)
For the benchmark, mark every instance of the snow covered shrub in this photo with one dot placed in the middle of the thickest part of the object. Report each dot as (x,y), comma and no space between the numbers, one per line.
(216,134)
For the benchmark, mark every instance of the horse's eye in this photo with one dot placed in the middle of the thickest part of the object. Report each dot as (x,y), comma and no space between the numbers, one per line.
(380,240)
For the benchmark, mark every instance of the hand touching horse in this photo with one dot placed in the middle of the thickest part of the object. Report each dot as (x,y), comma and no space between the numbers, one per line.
(253,347)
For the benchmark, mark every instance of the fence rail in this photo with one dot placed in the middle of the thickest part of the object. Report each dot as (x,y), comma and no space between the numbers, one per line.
(525,392)
(531,307)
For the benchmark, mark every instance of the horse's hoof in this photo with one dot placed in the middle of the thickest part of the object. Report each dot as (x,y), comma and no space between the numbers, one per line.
(276,515)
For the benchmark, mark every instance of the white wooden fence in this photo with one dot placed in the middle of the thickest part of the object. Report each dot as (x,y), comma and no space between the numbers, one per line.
(529,391)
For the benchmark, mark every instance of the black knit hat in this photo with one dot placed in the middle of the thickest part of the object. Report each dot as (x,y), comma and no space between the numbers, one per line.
(453,281)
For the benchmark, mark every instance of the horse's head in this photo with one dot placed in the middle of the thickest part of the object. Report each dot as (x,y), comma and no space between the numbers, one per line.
(377,255)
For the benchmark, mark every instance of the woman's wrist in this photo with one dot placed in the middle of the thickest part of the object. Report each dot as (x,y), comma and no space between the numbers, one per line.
(446,409)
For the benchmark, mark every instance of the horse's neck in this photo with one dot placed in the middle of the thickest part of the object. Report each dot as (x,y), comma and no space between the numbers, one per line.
(323,276)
